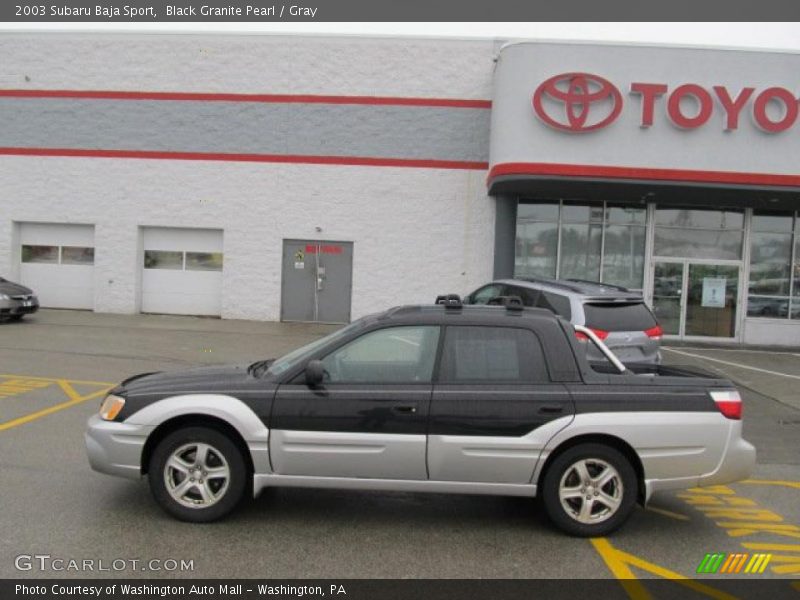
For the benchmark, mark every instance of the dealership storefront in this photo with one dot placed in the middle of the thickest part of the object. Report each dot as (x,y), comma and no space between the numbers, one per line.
(321,178)
(668,170)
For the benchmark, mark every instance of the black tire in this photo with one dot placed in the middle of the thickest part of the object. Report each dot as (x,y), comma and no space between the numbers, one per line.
(222,453)
(16,317)
(605,520)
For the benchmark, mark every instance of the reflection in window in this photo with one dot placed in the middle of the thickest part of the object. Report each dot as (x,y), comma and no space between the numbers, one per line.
(623,257)
(163,259)
(77,255)
(204,261)
(770,266)
(536,249)
(40,254)
(596,241)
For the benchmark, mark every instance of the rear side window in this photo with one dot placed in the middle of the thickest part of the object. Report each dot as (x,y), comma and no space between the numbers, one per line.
(491,355)
(619,317)
(527,295)
(555,302)
(486,293)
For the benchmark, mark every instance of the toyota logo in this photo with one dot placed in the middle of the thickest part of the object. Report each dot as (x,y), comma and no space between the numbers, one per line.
(565,102)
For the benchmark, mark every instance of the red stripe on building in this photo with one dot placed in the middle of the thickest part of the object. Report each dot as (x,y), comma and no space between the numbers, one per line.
(641,173)
(265,98)
(262,158)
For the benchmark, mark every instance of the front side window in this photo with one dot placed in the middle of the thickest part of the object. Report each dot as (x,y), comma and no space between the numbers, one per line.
(492,355)
(391,355)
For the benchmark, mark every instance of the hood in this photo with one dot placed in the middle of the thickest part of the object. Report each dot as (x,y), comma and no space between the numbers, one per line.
(211,379)
(228,380)
(13,289)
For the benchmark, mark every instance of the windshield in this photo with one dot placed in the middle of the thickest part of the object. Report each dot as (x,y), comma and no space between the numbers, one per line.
(295,356)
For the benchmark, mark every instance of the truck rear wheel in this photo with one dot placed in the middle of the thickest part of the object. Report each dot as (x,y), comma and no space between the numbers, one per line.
(197,474)
(589,490)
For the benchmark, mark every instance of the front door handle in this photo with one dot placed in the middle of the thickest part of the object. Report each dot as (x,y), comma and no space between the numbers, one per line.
(405,409)
(551,409)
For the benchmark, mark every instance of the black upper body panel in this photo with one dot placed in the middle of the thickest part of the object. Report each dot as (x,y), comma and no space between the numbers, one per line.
(666,388)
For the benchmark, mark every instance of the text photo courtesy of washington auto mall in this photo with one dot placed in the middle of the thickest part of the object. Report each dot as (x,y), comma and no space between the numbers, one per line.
(398,310)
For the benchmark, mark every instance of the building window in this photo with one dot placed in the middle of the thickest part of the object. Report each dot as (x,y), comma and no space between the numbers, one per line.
(598,241)
(774,289)
(183,261)
(54,255)
(694,233)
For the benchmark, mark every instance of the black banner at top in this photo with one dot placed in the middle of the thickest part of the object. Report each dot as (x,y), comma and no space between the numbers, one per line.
(249,11)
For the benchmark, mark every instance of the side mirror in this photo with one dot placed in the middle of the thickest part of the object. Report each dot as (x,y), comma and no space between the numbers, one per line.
(315,373)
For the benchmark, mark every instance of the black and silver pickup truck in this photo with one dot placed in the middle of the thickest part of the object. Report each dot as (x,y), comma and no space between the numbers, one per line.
(442,398)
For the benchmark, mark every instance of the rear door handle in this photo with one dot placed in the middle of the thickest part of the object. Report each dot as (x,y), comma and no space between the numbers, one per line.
(405,409)
(551,409)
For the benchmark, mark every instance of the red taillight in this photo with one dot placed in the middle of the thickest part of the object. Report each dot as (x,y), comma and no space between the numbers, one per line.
(598,332)
(654,332)
(729,403)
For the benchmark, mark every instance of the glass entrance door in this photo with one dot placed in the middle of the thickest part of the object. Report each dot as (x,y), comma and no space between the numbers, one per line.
(711,300)
(668,296)
(696,299)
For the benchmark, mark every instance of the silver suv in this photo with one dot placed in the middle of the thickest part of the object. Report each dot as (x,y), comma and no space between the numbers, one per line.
(618,316)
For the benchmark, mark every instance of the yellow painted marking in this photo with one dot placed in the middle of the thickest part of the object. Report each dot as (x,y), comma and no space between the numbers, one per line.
(619,563)
(796,585)
(53,379)
(52,409)
(746,522)
(631,585)
(668,513)
(790,484)
(66,385)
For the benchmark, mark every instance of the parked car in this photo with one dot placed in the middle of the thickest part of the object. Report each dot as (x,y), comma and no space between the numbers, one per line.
(445,398)
(16,301)
(617,316)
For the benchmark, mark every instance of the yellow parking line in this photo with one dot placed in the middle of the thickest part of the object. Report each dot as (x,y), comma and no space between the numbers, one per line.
(668,513)
(619,563)
(632,586)
(50,410)
(791,484)
(55,379)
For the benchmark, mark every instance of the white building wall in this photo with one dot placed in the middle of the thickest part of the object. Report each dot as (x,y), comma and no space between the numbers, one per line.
(417,232)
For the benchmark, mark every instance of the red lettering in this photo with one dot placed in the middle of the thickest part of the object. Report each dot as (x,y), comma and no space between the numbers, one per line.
(781,95)
(733,107)
(702,97)
(311,249)
(649,93)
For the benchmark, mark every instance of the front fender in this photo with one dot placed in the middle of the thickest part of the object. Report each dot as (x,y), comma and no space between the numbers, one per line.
(226,408)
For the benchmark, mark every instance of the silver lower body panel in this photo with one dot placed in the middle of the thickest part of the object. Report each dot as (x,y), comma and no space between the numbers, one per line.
(261,481)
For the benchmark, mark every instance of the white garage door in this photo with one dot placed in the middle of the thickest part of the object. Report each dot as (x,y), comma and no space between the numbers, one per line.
(57,262)
(182,271)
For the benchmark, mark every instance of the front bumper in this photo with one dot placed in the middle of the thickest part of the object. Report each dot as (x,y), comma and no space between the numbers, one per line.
(116,448)
(15,306)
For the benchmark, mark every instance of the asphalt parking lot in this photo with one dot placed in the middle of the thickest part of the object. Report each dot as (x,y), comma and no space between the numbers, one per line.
(55,367)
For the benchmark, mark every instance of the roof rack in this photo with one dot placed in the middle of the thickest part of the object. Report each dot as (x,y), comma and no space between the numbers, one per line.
(608,285)
(449,300)
(510,302)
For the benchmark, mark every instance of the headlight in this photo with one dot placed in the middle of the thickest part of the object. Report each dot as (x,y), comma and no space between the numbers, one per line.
(4,297)
(111,407)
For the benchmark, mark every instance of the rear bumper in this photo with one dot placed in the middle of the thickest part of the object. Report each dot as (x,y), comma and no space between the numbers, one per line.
(115,448)
(737,463)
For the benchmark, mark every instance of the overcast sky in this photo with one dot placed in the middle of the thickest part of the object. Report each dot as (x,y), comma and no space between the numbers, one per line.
(751,35)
